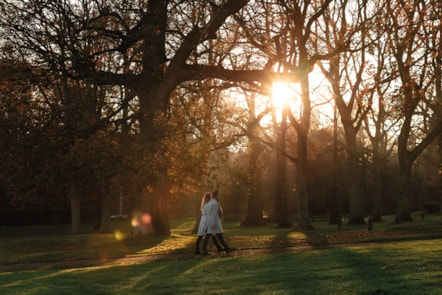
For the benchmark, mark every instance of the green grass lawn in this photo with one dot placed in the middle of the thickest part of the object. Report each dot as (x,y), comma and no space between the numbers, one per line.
(411,266)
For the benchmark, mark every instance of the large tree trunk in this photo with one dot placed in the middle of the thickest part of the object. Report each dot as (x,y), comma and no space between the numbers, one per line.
(406,159)
(377,177)
(352,176)
(302,191)
(104,212)
(354,187)
(281,214)
(197,202)
(440,173)
(255,202)
(153,131)
(352,171)
(405,162)
(333,203)
(158,206)
(154,98)
(302,162)
(438,71)
(75,211)
(402,205)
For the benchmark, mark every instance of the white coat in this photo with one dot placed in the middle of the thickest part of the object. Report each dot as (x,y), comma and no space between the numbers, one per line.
(214,225)
(202,228)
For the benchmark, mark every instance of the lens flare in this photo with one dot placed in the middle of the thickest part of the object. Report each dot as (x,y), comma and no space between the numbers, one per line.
(119,236)
(146,218)
(141,224)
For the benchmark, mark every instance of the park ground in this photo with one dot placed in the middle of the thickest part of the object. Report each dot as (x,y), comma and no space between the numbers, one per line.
(269,260)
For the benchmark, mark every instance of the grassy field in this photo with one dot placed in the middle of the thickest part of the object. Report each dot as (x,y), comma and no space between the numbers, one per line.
(391,259)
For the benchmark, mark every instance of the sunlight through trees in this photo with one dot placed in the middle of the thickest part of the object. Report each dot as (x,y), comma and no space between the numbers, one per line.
(280,105)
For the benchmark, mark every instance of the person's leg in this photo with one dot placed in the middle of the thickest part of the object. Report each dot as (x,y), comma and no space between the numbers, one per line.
(215,241)
(205,242)
(221,240)
(197,245)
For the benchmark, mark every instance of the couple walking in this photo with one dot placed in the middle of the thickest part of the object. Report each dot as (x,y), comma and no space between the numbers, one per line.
(210,225)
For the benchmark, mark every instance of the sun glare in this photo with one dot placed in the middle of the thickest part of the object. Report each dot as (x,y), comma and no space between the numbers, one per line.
(283,93)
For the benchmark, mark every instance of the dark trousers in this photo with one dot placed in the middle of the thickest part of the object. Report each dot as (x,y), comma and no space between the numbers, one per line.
(197,244)
(215,238)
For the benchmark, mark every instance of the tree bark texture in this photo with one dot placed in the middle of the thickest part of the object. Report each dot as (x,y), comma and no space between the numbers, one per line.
(255,203)
(75,201)
(402,204)
(281,215)
(302,162)
(440,173)
(105,225)
(153,105)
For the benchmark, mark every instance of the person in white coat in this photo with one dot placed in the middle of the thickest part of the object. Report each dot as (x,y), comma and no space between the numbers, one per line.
(202,228)
(214,224)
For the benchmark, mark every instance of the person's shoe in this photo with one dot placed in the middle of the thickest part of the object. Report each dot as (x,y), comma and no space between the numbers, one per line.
(197,252)
(228,250)
(205,253)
